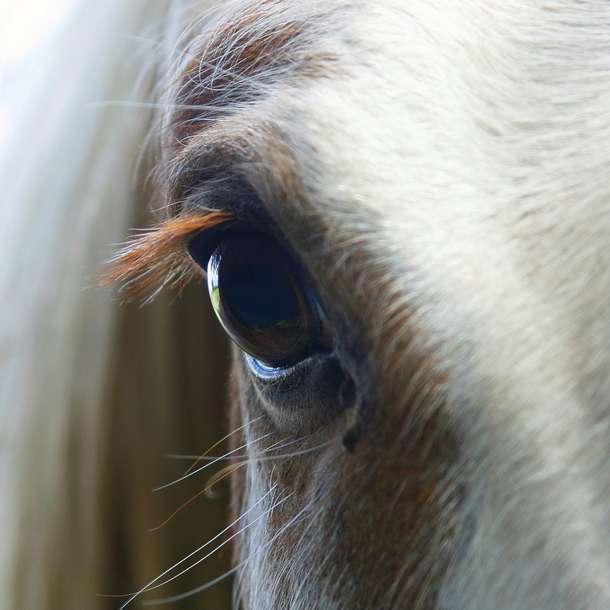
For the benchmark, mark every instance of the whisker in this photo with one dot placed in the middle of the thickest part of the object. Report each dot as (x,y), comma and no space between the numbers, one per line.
(224,438)
(222,474)
(268,458)
(200,589)
(253,458)
(219,546)
(203,457)
(211,583)
(133,596)
(222,457)
(231,468)
(281,445)
(216,478)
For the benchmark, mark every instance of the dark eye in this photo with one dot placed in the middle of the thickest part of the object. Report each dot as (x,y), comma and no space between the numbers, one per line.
(261,298)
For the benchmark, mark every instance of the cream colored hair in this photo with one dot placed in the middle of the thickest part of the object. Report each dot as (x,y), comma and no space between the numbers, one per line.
(93,395)
(452,158)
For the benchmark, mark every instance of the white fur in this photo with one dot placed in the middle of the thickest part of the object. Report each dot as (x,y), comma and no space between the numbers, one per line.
(481,136)
(480,132)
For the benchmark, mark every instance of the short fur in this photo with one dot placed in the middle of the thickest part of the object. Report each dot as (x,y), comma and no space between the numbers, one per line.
(441,168)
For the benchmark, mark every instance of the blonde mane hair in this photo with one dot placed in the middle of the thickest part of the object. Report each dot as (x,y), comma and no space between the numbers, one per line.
(94,394)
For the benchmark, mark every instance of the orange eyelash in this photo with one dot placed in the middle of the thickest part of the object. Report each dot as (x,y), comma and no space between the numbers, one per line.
(158,258)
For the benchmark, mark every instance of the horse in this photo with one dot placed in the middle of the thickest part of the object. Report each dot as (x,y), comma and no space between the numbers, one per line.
(400,213)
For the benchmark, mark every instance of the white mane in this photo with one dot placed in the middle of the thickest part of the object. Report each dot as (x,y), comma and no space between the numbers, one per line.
(72,164)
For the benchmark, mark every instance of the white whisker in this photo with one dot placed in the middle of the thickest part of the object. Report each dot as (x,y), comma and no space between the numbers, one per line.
(261,457)
(223,543)
(224,438)
(197,550)
(222,457)
(207,585)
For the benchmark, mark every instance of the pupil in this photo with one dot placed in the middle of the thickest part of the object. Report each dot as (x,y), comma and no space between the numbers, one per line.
(259,294)
(259,298)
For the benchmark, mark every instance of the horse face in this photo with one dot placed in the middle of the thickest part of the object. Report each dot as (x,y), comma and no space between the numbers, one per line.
(436,174)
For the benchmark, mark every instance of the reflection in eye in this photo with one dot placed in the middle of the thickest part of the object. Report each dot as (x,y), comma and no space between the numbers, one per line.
(262,299)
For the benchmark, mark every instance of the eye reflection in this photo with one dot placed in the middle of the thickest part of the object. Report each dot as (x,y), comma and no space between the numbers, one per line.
(262,299)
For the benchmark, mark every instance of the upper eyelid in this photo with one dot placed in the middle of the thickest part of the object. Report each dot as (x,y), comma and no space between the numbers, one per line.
(196,167)
(196,189)
(226,190)
(160,256)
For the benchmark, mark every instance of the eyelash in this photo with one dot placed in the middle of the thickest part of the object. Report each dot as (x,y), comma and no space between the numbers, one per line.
(158,258)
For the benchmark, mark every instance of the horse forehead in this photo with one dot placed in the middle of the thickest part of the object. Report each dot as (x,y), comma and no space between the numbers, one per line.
(473,144)
(475,149)
(445,96)
(467,131)
(475,141)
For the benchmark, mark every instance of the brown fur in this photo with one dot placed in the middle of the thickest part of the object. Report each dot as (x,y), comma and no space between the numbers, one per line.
(401,558)
(214,82)
(404,556)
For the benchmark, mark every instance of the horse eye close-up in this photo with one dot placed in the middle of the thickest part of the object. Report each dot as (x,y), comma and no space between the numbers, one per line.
(305,305)
(261,298)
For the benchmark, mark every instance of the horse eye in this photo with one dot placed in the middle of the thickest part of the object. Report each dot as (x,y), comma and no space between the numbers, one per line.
(262,299)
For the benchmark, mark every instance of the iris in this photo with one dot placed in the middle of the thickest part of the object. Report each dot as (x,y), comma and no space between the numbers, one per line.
(262,299)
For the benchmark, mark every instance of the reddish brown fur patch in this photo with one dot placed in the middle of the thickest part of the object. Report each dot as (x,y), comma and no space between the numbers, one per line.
(159,257)
(239,57)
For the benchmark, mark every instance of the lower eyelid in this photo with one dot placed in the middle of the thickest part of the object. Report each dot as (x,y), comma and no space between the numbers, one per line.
(264,371)
(314,385)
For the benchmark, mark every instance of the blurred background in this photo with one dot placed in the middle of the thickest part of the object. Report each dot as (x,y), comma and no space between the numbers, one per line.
(24,24)
(95,396)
